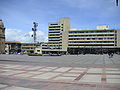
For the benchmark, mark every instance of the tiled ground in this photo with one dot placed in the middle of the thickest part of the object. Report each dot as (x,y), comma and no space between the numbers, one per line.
(64,74)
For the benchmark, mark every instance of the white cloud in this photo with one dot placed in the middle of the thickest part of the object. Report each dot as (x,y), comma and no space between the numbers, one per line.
(21,36)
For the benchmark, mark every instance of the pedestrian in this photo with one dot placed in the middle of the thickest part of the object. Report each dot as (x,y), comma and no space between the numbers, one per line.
(110,54)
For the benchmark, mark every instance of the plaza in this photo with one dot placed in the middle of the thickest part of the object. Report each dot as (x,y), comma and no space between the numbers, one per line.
(71,72)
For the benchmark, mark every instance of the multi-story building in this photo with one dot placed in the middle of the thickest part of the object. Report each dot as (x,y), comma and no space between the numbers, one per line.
(28,47)
(12,47)
(58,35)
(94,41)
(63,39)
(2,37)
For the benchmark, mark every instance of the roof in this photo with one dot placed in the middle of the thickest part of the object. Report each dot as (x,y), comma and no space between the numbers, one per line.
(13,42)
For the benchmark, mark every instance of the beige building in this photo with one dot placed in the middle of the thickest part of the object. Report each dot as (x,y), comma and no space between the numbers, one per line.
(97,41)
(57,37)
(63,39)
(12,47)
(28,47)
(2,37)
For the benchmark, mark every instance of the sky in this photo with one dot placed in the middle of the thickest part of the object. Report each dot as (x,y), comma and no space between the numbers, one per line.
(18,16)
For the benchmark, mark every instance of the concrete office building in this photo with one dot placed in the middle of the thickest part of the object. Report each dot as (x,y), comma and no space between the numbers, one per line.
(12,47)
(57,37)
(2,37)
(63,39)
(28,47)
(97,41)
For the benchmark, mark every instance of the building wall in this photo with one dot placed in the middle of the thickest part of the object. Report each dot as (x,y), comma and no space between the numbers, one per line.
(92,38)
(65,32)
(62,38)
(58,35)
(118,38)
(12,47)
(2,37)
(28,47)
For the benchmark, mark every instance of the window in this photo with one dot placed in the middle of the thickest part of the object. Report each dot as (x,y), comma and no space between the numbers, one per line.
(38,50)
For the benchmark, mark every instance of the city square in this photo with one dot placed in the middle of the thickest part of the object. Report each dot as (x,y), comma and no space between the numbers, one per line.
(65,72)
(59,45)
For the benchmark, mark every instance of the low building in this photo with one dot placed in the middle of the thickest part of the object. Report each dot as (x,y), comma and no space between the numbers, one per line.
(28,47)
(12,47)
(2,37)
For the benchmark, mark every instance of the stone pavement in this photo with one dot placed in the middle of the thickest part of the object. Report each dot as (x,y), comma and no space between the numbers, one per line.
(103,78)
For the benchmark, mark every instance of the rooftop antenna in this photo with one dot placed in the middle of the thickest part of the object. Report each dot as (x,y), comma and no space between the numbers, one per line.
(34,29)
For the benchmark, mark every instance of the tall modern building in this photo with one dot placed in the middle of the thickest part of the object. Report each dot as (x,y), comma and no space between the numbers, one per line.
(58,35)
(63,39)
(2,37)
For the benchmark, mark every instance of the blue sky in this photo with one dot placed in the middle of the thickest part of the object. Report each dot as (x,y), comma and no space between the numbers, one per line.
(18,15)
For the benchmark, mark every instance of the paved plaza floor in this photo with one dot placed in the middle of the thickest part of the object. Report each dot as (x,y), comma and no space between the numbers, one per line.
(91,75)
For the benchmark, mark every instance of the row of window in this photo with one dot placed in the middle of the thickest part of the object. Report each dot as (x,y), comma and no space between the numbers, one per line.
(90,38)
(54,29)
(27,48)
(54,35)
(91,41)
(28,45)
(54,26)
(54,40)
(54,32)
(90,35)
(94,45)
(106,31)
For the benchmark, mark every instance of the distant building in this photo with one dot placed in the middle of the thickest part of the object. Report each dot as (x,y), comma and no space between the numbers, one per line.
(2,37)
(63,39)
(94,41)
(28,47)
(58,35)
(12,47)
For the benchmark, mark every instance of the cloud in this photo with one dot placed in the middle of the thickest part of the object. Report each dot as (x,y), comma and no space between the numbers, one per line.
(21,36)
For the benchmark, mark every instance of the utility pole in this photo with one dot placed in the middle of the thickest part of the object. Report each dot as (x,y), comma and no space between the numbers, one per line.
(34,29)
